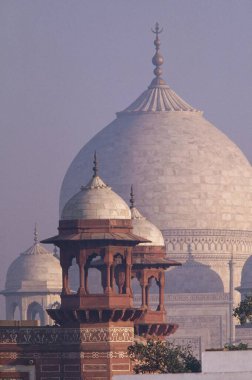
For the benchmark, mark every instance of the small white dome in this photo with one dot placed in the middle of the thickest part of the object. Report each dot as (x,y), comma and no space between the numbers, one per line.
(96,201)
(34,270)
(144,228)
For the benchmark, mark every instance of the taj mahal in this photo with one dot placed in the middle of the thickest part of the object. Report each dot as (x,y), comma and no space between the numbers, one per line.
(192,194)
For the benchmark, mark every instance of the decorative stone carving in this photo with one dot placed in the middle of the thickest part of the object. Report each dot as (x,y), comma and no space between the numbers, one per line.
(42,336)
(207,240)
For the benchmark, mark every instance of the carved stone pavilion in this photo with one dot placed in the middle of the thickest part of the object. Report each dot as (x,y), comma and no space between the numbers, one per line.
(92,331)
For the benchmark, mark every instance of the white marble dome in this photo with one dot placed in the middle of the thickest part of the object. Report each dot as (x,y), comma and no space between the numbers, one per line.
(186,173)
(35,270)
(96,200)
(193,277)
(197,177)
(144,228)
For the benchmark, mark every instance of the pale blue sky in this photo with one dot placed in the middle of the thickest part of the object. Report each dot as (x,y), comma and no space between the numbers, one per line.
(66,67)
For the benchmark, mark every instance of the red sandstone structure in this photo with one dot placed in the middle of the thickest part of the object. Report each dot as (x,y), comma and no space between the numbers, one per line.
(92,331)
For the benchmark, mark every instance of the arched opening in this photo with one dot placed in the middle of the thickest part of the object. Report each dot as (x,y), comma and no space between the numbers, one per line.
(137,292)
(36,312)
(94,269)
(73,275)
(153,293)
(246,279)
(15,312)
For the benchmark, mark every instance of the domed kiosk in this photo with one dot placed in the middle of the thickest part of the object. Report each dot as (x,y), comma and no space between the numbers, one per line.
(33,283)
(96,200)
(191,180)
(96,230)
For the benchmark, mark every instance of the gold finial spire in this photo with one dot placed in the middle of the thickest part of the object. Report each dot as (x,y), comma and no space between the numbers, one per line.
(95,167)
(132,198)
(157,59)
(35,233)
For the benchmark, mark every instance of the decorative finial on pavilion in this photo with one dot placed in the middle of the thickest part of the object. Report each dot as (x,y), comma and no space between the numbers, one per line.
(95,167)
(35,234)
(132,198)
(157,59)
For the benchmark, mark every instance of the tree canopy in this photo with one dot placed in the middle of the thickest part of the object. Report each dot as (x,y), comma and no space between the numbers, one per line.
(244,310)
(156,356)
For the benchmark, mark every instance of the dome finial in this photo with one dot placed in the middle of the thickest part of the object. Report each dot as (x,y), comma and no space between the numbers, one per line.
(35,233)
(132,198)
(95,167)
(157,59)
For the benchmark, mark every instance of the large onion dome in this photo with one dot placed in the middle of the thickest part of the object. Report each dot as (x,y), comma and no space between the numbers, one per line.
(35,270)
(197,177)
(96,200)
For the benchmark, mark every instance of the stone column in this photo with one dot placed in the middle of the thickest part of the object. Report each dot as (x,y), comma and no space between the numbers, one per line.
(128,271)
(81,260)
(112,276)
(161,291)
(108,263)
(231,299)
(143,296)
(127,278)
(86,280)
(65,284)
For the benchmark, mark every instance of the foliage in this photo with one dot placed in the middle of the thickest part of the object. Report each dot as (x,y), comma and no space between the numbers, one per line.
(156,356)
(234,347)
(244,310)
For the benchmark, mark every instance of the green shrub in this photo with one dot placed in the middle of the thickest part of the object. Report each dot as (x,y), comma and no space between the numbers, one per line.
(156,356)
(244,310)
(234,347)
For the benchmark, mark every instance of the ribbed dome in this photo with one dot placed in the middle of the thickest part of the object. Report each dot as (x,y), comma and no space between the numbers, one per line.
(144,228)
(158,97)
(96,201)
(34,270)
(186,173)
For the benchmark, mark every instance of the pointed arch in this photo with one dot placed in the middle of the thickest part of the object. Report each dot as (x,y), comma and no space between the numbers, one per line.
(35,312)
(15,312)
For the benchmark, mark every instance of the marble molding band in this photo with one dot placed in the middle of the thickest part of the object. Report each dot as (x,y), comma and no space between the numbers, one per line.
(199,298)
(208,240)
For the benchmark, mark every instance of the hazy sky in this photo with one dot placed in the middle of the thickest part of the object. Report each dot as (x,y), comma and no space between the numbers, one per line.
(66,67)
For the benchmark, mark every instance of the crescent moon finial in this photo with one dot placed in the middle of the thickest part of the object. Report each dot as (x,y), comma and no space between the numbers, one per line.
(95,167)
(157,59)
